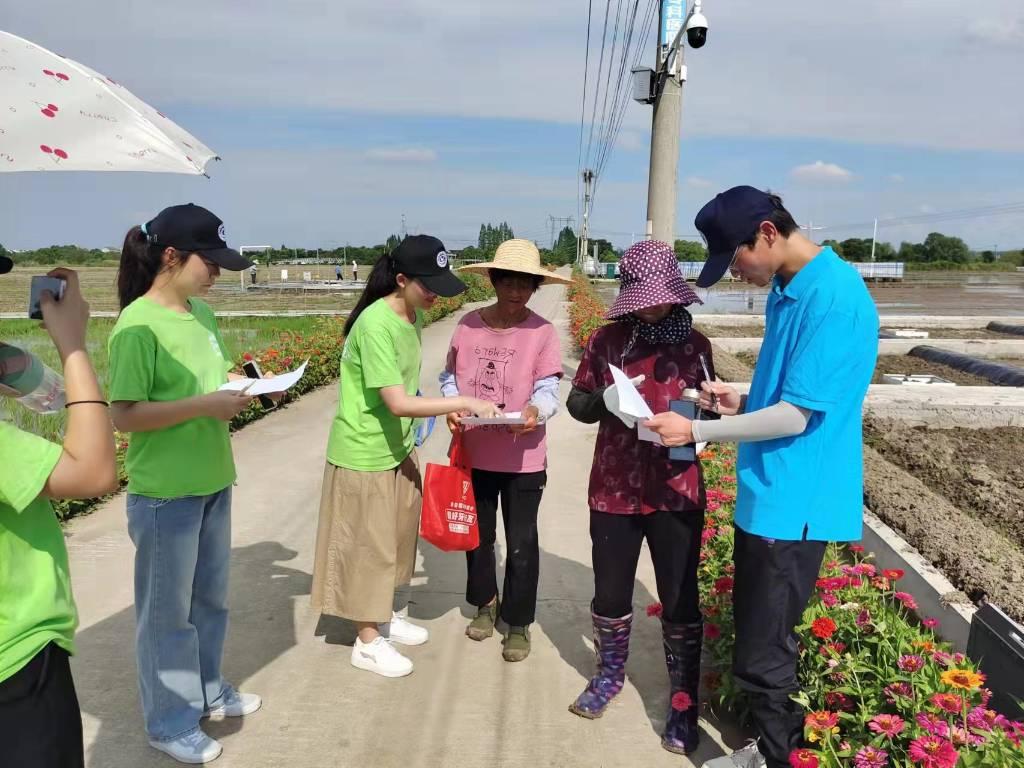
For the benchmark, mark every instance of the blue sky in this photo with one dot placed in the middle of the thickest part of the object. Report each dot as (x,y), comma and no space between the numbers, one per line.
(335,119)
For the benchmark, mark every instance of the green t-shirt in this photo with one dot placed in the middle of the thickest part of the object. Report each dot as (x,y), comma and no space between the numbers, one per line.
(159,355)
(36,604)
(383,350)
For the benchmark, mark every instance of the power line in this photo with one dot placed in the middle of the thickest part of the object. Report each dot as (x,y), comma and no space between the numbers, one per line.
(583,107)
(937,217)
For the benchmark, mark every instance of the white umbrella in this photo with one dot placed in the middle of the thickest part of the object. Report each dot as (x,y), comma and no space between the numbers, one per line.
(57,114)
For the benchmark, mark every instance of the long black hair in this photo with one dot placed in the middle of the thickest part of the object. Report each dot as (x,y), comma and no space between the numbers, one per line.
(382,281)
(141,262)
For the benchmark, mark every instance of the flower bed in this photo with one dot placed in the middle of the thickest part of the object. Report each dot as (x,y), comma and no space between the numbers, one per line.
(879,688)
(586,311)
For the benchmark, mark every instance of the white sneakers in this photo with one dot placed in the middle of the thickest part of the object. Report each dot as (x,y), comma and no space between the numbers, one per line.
(235,704)
(747,757)
(401,630)
(193,748)
(380,657)
(196,748)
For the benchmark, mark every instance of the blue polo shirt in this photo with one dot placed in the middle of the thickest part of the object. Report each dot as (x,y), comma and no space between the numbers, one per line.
(819,352)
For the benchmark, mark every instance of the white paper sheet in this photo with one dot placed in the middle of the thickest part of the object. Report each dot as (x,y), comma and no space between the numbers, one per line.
(632,403)
(254,387)
(509,419)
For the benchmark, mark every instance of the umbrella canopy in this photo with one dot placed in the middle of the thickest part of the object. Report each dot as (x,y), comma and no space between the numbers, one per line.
(57,114)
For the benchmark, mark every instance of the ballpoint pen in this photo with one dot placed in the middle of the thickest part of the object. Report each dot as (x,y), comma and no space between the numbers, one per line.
(707,377)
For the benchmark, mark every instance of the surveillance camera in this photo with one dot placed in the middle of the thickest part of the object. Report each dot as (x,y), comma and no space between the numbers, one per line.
(697,30)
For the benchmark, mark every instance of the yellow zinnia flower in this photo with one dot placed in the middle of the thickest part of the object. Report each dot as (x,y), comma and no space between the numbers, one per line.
(963,678)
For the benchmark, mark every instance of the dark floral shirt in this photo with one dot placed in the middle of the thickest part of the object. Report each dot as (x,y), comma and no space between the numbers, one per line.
(630,476)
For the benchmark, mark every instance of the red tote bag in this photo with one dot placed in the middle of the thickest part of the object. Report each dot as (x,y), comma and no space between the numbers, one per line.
(449,520)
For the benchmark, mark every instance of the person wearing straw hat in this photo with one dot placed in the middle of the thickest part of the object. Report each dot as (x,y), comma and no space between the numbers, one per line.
(509,355)
(637,491)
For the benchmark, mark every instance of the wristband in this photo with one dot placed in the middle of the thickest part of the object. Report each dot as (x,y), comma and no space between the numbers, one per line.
(87,402)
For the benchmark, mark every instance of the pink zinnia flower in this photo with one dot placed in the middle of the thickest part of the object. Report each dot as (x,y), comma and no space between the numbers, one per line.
(897,691)
(870,757)
(887,725)
(982,719)
(654,609)
(856,548)
(829,600)
(932,752)
(933,724)
(803,758)
(864,621)
(723,585)
(930,623)
(681,701)
(911,663)
(837,700)
(907,599)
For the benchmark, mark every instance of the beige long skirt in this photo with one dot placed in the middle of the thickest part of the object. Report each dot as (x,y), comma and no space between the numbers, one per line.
(366,539)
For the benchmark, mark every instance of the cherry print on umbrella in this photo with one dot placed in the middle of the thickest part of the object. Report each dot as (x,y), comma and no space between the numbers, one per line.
(60,77)
(54,152)
(50,110)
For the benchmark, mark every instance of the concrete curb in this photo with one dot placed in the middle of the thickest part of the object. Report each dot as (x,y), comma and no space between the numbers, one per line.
(936,597)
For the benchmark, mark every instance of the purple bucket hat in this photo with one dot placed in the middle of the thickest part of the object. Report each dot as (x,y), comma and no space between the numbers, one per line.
(649,272)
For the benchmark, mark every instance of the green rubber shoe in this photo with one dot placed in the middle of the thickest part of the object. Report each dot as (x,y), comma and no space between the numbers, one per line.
(482,626)
(516,644)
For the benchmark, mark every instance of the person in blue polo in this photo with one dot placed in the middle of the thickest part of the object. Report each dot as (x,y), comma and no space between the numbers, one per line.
(799,470)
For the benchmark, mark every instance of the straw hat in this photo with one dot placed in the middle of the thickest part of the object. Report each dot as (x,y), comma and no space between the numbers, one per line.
(518,256)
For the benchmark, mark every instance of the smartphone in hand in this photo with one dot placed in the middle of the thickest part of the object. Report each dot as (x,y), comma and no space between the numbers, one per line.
(41,284)
(253,372)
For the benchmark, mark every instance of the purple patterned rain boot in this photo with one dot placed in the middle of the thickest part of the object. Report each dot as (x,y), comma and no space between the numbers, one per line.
(611,647)
(682,655)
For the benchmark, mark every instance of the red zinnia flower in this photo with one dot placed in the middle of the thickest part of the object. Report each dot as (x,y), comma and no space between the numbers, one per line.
(893,574)
(822,720)
(723,585)
(681,701)
(823,628)
(712,631)
(947,702)
(856,548)
(933,752)
(803,758)
(654,609)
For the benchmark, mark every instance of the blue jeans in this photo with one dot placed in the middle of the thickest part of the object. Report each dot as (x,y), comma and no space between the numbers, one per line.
(182,559)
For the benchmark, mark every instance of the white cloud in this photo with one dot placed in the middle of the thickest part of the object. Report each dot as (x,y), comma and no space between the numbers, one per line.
(997,32)
(896,178)
(821,171)
(699,182)
(401,155)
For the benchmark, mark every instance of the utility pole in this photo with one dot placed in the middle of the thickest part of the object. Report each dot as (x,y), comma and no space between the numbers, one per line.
(557,222)
(665,127)
(874,238)
(663,87)
(581,251)
(404,235)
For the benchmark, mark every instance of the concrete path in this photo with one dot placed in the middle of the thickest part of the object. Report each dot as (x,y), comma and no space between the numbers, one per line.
(463,705)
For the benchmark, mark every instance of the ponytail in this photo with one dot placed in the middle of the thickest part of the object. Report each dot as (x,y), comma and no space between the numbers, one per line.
(141,261)
(382,281)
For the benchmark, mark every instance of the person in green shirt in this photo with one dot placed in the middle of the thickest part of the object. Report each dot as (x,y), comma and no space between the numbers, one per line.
(40,722)
(167,364)
(372,492)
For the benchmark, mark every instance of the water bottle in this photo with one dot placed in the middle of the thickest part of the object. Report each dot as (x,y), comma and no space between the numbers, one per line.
(30,381)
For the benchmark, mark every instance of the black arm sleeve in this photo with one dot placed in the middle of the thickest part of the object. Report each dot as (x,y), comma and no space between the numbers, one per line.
(587,407)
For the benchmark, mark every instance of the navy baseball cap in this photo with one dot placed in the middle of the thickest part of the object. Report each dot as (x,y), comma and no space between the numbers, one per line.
(191,228)
(727,222)
(6,265)
(424,257)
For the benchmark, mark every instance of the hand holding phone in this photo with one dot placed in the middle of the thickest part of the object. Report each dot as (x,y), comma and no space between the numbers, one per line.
(253,372)
(40,285)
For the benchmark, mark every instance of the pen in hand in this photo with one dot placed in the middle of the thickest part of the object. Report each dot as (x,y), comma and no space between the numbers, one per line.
(707,378)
